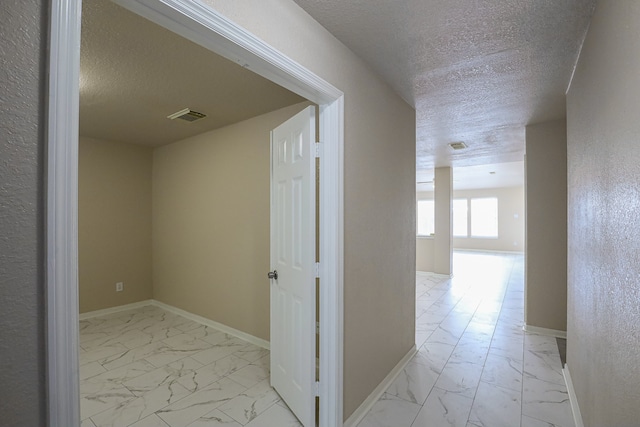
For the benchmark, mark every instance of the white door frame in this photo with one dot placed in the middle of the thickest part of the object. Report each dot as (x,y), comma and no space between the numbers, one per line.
(210,29)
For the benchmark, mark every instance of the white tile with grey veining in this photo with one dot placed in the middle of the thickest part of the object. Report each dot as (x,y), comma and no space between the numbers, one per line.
(192,407)
(124,373)
(219,351)
(149,337)
(113,339)
(249,404)
(95,398)
(207,374)
(547,402)
(444,409)
(90,369)
(129,356)
(250,375)
(434,354)
(275,416)
(151,421)
(87,423)
(134,410)
(414,382)
(186,342)
(495,407)
(460,377)
(215,418)
(503,372)
(391,411)
(101,353)
(160,376)
(251,353)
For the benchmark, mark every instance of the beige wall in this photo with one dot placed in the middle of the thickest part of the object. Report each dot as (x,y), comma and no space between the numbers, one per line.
(379,294)
(424,253)
(211,223)
(114,223)
(443,216)
(510,228)
(604,226)
(546,222)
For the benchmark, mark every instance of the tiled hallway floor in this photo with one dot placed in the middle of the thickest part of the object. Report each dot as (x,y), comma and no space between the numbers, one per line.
(475,366)
(151,368)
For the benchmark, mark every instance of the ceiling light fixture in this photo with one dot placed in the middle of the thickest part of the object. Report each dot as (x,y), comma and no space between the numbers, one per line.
(187,115)
(458,145)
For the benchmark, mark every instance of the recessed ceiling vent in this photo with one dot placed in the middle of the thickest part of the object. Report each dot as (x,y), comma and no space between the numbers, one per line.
(187,115)
(458,145)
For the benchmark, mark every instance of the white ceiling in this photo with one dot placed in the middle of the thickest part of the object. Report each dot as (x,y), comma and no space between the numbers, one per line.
(476,71)
(134,73)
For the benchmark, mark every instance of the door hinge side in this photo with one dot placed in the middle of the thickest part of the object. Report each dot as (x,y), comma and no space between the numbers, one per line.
(318,149)
(316,389)
(317,327)
(317,270)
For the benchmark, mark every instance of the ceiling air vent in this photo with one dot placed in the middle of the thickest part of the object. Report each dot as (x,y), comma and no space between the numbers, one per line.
(458,145)
(187,115)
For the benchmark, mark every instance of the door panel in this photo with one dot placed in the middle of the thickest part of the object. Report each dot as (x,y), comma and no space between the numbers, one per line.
(293,226)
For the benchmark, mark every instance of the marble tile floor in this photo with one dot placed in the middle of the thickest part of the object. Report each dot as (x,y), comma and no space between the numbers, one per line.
(475,367)
(151,368)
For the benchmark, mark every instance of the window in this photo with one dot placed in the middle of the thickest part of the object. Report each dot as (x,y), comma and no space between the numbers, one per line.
(425,218)
(484,217)
(460,228)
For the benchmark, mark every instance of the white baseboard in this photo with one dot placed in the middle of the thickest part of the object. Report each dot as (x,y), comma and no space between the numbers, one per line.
(431,273)
(575,408)
(489,251)
(208,322)
(111,310)
(544,331)
(368,403)
(194,317)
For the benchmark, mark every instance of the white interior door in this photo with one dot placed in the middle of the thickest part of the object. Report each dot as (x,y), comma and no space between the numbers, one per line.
(293,228)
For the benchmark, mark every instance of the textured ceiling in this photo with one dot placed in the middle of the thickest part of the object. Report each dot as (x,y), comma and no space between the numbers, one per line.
(134,73)
(476,71)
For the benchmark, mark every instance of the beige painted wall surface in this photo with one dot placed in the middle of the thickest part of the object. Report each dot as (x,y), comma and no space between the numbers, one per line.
(510,229)
(546,247)
(380,242)
(443,216)
(211,223)
(604,226)
(114,223)
(424,253)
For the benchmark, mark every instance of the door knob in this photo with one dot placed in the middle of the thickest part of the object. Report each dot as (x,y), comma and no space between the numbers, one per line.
(273,274)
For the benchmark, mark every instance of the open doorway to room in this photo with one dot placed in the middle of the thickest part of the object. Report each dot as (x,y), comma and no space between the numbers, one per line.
(487,209)
(173,227)
(62,241)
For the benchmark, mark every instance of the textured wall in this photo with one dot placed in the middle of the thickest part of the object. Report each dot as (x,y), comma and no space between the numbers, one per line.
(546,247)
(211,223)
(114,223)
(604,226)
(22,60)
(380,241)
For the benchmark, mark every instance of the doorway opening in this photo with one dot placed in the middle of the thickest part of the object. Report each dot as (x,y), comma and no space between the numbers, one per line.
(211,30)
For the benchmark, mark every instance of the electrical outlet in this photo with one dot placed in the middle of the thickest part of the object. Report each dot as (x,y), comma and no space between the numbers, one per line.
(119,287)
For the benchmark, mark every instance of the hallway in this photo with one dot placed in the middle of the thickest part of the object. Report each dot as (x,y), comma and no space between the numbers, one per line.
(475,366)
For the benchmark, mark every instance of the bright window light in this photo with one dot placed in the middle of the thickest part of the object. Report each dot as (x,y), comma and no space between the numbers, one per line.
(425,218)
(460,228)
